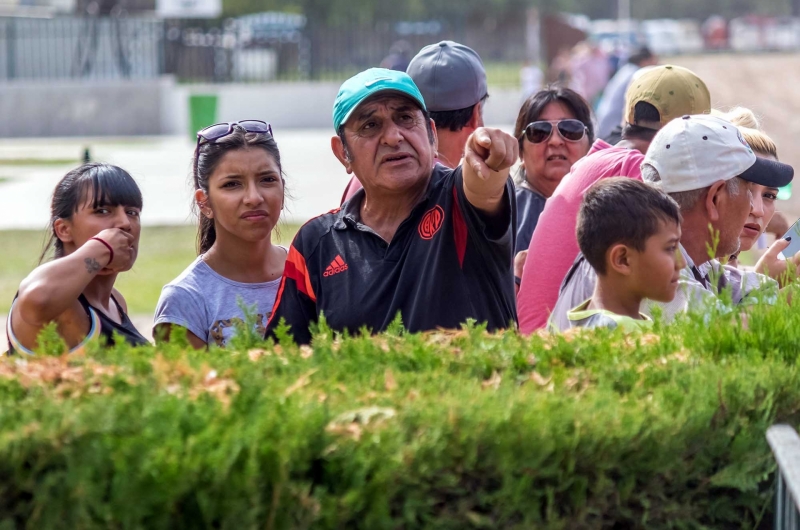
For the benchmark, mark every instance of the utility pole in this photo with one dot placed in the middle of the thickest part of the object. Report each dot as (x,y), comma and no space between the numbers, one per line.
(624,19)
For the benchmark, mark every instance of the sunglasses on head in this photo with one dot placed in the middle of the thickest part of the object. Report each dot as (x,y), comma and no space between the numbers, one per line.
(570,130)
(212,133)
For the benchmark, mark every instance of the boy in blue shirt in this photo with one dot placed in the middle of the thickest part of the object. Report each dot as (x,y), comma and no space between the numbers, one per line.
(629,232)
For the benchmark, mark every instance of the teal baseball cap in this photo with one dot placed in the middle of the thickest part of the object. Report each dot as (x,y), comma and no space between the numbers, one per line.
(355,90)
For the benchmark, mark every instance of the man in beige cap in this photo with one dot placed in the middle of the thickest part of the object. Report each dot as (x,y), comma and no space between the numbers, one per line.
(653,100)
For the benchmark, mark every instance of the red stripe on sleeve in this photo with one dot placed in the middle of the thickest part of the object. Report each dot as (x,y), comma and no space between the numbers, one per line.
(459,229)
(296,270)
(277,299)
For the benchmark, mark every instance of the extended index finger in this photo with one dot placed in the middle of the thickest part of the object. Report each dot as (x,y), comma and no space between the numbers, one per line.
(498,152)
(483,138)
(479,143)
(777,247)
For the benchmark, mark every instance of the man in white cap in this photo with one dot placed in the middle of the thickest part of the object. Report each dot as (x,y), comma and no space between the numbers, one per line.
(704,163)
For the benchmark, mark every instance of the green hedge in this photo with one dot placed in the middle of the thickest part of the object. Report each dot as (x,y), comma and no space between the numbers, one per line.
(441,430)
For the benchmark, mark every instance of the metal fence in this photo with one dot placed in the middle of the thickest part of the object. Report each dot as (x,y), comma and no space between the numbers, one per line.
(256,48)
(79,48)
(785,444)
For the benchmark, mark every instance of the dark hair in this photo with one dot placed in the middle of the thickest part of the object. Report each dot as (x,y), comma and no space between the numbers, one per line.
(635,132)
(535,105)
(455,120)
(642,112)
(104,184)
(641,55)
(340,133)
(621,210)
(208,157)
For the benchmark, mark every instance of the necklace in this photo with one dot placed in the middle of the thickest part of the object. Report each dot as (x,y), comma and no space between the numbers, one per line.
(445,160)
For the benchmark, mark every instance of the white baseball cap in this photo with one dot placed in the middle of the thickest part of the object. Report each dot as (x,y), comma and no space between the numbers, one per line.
(694,152)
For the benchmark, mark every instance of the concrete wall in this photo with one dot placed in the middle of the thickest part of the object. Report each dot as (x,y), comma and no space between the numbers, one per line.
(301,105)
(502,106)
(78,108)
(118,108)
(284,105)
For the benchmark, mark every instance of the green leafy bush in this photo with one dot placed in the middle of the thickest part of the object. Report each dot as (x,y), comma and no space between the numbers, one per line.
(442,430)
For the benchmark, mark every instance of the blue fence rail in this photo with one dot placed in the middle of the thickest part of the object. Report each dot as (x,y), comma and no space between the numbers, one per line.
(785,444)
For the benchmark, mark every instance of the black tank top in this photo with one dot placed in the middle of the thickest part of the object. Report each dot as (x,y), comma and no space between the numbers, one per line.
(108,327)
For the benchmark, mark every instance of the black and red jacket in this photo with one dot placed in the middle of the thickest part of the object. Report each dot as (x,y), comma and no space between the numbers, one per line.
(447,263)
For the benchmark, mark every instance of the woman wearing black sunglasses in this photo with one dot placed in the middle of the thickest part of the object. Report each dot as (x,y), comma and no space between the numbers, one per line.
(554,129)
(94,236)
(239,192)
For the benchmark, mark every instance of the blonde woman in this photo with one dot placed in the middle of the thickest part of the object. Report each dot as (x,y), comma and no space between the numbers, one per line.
(763,216)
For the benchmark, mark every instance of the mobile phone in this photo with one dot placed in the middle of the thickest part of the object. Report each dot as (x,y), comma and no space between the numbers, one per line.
(794,245)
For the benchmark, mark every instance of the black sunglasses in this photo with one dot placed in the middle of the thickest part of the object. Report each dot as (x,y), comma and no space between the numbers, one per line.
(570,130)
(212,133)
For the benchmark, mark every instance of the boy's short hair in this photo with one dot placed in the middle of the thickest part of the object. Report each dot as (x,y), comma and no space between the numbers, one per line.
(621,210)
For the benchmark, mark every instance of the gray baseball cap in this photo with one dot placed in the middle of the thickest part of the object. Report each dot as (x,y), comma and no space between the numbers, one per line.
(449,75)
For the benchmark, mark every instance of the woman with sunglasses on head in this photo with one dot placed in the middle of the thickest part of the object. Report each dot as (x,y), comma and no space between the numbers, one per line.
(239,192)
(95,236)
(554,129)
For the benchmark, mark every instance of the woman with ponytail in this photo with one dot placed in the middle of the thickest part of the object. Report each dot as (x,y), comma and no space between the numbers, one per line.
(94,236)
(239,195)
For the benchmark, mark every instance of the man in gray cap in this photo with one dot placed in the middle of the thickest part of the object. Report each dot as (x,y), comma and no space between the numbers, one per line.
(452,81)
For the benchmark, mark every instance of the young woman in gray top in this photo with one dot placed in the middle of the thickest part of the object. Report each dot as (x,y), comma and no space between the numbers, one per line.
(239,192)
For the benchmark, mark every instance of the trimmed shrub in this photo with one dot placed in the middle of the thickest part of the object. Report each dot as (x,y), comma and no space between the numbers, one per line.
(458,429)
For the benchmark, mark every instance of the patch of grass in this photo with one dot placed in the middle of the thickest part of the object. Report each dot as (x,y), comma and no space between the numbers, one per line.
(502,74)
(163,254)
(39,161)
(21,249)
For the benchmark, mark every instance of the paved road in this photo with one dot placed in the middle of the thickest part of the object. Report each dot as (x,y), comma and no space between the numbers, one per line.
(162,167)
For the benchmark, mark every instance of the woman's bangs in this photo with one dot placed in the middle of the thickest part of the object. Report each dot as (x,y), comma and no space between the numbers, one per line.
(110,186)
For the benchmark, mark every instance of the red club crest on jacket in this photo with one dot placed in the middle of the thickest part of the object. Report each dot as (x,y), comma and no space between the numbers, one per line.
(431,222)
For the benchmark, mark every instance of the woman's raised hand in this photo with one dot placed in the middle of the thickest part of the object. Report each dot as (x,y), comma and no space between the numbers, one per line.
(121,254)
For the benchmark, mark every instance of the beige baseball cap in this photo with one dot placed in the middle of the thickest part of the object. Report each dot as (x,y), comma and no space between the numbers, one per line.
(673,90)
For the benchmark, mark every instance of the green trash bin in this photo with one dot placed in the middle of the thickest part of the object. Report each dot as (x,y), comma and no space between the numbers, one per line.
(202,112)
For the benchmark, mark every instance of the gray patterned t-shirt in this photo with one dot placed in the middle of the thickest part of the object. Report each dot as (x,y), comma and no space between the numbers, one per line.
(207,304)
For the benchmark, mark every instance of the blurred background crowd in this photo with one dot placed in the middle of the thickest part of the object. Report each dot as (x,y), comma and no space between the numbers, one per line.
(288,40)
